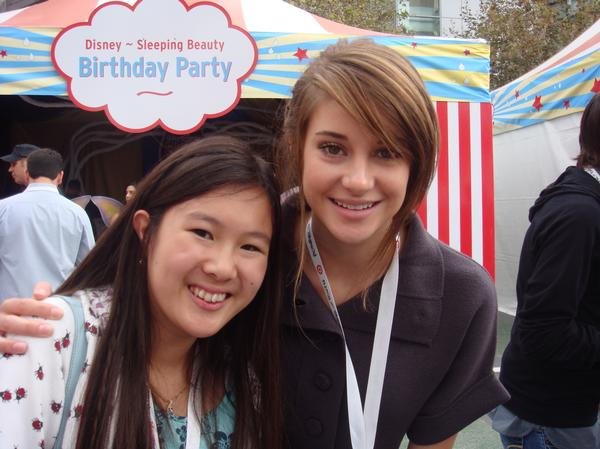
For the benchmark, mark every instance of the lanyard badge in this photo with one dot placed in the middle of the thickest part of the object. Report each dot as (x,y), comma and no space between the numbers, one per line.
(363,424)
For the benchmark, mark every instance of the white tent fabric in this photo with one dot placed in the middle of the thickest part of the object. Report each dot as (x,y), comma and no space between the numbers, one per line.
(536,131)
(525,161)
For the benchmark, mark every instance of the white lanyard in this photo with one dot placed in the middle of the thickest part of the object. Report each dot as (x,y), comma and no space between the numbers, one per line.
(593,173)
(363,425)
(192,440)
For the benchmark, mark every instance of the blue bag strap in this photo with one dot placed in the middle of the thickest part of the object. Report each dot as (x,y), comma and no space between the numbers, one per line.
(76,366)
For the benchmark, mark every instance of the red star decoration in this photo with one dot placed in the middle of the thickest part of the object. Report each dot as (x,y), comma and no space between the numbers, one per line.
(516,94)
(3,53)
(301,54)
(467,52)
(596,87)
(537,103)
(413,44)
(567,103)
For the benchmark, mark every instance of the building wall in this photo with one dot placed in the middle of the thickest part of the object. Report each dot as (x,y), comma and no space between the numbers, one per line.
(450,10)
(435,17)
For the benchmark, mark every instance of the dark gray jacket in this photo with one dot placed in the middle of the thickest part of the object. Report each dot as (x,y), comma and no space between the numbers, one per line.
(439,372)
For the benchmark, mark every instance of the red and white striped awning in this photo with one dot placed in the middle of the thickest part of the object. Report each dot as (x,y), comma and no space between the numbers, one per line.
(252,15)
(459,209)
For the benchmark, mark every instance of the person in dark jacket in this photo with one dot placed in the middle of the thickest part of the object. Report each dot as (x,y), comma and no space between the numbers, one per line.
(387,332)
(551,366)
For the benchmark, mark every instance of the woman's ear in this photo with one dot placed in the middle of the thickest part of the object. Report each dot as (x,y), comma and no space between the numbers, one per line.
(141,220)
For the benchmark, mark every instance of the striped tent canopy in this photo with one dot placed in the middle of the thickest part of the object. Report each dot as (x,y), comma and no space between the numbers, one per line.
(459,206)
(560,86)
(287,38)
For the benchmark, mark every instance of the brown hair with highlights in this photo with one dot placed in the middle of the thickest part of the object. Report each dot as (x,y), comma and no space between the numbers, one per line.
(383,92)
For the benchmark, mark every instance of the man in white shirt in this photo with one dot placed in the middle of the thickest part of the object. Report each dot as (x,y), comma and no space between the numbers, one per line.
(43,235)
(18,162)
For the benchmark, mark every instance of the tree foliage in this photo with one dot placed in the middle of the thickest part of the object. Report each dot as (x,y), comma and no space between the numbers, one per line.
(524,33)
(377,15)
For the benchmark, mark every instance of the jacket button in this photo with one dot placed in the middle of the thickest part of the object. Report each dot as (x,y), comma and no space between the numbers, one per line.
(322,381)
(313,427)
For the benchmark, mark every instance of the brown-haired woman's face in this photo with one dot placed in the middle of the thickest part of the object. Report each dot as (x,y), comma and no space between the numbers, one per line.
(352,182)
(207,260)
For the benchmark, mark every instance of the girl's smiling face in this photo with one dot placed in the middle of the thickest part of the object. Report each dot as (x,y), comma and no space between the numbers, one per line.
(207,260)
(352,182)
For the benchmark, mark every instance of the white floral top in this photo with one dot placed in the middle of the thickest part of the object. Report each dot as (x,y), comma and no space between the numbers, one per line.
(32,386)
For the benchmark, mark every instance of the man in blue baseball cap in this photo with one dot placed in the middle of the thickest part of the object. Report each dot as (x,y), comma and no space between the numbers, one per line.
(18,162)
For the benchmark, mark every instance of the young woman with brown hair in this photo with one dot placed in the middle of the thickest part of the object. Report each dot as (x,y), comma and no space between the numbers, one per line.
(387,331)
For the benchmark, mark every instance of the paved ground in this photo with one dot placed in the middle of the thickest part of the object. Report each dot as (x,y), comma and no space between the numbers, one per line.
(480,435)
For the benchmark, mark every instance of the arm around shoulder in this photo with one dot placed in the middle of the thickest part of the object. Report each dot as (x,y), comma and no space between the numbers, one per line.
(16,318)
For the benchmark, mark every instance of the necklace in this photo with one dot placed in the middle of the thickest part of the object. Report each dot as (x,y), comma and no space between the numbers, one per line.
(169,402)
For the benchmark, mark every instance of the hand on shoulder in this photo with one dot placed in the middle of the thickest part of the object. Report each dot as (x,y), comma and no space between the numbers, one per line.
(16,317)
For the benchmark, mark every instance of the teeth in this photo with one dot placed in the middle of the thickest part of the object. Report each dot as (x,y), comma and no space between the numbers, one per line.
(208,297)
(354,206)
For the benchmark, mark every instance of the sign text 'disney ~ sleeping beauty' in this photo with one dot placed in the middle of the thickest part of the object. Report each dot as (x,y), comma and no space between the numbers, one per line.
(156,63)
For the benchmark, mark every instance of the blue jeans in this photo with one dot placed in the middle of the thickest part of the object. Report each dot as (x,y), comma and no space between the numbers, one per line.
(533,440)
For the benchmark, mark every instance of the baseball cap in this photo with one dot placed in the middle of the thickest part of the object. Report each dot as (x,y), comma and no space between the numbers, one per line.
(20,151)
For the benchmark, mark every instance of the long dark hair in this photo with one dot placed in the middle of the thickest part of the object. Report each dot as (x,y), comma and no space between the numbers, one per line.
(123,349)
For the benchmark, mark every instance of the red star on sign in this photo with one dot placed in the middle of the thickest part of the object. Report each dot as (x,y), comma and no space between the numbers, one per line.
(596,87)
(413,44)
(301,54)
(467,52)
(516,94)
(567,103)
(537,103)
(3,53)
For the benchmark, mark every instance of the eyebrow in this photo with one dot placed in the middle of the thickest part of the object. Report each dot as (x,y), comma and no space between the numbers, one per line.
(215,222)
(339,136)
(331,134)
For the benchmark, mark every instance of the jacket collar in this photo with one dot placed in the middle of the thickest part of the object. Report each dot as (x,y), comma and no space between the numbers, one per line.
(418,300)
